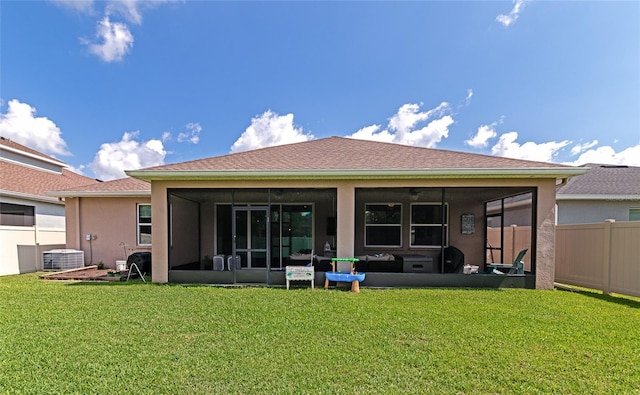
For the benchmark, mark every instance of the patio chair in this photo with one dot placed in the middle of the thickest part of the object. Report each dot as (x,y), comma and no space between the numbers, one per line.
(517,267)
(230,262)
(218,263)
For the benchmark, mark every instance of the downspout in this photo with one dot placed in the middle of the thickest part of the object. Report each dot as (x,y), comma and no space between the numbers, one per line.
(563,182)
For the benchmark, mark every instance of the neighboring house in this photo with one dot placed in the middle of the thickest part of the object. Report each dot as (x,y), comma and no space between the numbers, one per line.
(108,221)
(367,199)
(605,192)
(31,221)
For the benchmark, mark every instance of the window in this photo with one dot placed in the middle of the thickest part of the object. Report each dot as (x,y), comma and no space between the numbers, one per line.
(383,225)
(427,220)
(634,214)
(144,224)
(17,215)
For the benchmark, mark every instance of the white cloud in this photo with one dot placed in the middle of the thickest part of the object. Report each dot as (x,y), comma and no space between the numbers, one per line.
(544,152)
(39,133)
(467,100)
(607,155)
(270,129)
(131,10)
(166,136)
(373,133)
(404,127)
(482,137)
(578,148)
(81,6)
(192,134)
(508,19)
(114,41)
(113,159)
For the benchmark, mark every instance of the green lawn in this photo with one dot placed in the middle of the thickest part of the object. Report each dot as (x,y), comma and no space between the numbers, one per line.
(63,337)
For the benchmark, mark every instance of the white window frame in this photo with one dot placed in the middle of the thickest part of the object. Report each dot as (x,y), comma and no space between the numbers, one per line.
(369,226)
(634,212)
(139,224)
(412,225)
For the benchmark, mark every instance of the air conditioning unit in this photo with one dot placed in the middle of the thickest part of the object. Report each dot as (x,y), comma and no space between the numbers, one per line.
(62,259)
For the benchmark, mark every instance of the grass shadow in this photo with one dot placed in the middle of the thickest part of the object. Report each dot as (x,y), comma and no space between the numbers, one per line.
(623,300)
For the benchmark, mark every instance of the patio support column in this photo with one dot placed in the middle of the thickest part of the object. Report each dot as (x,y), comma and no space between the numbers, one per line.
(345,221)
(546,235)
(159,234)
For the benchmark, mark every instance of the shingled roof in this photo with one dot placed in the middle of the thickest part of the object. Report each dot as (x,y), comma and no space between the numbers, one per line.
(603,181)
(121,187)
(340,155)
(27,181)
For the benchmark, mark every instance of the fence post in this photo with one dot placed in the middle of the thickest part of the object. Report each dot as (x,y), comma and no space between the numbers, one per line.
(606,259)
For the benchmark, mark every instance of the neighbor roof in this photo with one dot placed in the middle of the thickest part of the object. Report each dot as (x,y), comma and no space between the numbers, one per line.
(10,145)
(336,157)
(121,187)
(603,182)
(29,182)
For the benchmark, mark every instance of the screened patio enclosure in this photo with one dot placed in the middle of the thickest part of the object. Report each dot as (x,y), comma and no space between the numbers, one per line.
(257,232)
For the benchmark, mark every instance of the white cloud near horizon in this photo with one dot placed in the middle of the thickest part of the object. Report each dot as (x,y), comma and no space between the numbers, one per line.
(579,148)
(21,125)
(113,41)
(606,155)
(508,147)
(509,19)
(113,159)
(269,129)
(404,126)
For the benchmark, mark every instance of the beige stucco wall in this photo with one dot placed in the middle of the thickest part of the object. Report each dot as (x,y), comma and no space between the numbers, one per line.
(111,221)
(472,245)
(546,234)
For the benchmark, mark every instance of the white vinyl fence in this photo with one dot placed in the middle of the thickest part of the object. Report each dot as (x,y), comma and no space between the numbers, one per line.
(21,247)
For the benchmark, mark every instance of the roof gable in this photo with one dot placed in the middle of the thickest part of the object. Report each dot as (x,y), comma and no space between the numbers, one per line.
(347,158)
(341,153)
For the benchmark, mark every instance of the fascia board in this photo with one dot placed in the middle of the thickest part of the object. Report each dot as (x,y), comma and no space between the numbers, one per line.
(568,196)
(150,175)
(71,194)
(27,196)
(33,156)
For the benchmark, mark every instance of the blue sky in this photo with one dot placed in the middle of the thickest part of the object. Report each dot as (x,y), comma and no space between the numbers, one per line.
(117,85)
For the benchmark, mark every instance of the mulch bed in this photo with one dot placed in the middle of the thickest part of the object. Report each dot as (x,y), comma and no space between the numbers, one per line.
(89,273)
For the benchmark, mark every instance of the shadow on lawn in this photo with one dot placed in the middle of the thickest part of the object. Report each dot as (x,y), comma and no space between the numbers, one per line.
(621,300)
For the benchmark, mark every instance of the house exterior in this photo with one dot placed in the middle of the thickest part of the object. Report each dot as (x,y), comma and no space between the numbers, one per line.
(108,220)
(264,209)
(605,192)
(31,221)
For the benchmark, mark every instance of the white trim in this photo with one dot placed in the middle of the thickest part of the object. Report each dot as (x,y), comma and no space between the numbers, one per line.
(99,193)
(586,196)
(400,225)
(27,196)
(139,224)
(411,224)
(531,172)
(34,156)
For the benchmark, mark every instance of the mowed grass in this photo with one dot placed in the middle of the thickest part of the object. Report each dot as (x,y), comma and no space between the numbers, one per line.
(63,337)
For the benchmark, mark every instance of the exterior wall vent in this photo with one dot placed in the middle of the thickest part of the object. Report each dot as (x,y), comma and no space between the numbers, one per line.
(62,259)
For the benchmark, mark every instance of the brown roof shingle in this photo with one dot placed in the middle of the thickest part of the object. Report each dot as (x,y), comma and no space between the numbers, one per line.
(122,186)
(340,153)
(31,181)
